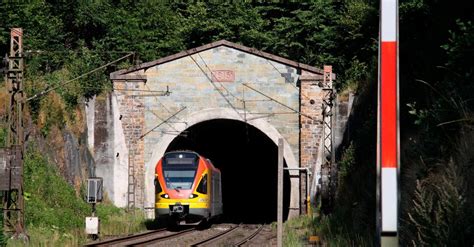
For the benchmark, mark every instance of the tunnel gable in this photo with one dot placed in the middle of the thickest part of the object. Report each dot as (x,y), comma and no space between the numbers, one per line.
(157,100)
(144,66)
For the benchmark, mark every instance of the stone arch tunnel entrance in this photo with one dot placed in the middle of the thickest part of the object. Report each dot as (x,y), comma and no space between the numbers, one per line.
(209,91)
(248,160)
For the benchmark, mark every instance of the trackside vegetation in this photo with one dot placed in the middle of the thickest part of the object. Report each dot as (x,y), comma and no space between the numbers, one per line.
(65,39)
(55,213)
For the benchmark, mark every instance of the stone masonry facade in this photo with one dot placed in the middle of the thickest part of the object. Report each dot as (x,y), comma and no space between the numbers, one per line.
(132,118)
(311,126)
(250,85)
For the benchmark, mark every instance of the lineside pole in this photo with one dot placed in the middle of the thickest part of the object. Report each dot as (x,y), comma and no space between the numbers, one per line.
(388,155)
(280,195)
(13,203)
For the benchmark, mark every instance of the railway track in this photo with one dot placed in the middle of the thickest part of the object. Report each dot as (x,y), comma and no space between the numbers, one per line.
(223,236)
(142,239)
(250,237)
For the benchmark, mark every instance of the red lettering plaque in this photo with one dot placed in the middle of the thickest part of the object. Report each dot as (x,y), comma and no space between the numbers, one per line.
(223,76)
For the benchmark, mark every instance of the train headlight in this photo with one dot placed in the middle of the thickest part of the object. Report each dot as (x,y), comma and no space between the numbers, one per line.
(192,196)
(166,196)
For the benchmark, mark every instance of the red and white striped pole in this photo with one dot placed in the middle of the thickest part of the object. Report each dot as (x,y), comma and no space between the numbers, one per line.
(388,158)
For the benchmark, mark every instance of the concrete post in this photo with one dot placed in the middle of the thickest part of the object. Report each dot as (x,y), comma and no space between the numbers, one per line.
(280,194)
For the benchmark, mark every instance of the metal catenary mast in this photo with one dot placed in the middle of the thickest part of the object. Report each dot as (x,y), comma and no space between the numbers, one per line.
(11,158)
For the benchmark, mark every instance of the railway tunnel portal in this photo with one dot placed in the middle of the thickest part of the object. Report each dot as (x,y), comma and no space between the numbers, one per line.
(219,99)
(247,158)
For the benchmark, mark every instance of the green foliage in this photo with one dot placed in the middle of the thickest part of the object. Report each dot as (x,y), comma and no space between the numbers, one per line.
(119,222)
(53,209)
(66,39)
(48,196)
(438,217)
(236,22)
(420,115)
(331,232)
(3,137)
(151,29)
(347,161)
(336,234)
(296,231)
(81,62)
(3,241)
(310,26)
(459,48)
(78,36)
(51,201)
(52,114)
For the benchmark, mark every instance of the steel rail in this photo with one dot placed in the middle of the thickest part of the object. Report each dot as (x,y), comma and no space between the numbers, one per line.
(216,237)
(156,239)
(250,237)
(128,238)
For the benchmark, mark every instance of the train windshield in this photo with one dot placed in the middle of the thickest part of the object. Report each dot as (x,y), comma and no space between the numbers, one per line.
(179,170)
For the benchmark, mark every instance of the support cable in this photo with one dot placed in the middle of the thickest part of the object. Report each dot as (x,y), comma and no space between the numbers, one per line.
(278,102)
(76,78)
(274,67)
(220,83)
(157,100)
(176,113)
(214,85)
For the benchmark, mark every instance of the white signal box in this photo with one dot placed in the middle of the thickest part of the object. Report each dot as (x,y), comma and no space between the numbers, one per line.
(92,225)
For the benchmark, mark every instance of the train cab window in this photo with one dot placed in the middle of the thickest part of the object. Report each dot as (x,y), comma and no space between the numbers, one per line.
(157,186)
(202,187)
(179,170)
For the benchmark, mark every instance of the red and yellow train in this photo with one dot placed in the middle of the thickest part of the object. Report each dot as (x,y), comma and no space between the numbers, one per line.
(187,189)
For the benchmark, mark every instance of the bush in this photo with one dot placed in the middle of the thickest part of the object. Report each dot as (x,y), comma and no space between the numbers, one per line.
(347,161)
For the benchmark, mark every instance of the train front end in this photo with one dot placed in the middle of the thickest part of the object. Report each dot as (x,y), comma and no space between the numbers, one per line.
(181,188)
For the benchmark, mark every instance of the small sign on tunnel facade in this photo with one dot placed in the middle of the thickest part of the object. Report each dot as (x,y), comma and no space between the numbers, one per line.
(223,76)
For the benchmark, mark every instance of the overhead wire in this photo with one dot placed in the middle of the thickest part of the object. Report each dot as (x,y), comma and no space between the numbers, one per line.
(68,52)
(156,115)
(274,67)
(76,78)
(220,83)
(49,89)
(245,84)
(158,125)
(94,70)
(212,83)
(278,102)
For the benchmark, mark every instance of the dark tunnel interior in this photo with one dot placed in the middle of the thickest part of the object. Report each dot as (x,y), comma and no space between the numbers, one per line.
(248,160)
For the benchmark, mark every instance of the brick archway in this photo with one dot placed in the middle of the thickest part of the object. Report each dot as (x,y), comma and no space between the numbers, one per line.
(222,113)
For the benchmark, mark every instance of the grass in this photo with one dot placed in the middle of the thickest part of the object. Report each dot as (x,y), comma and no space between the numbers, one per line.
(329,228)
(334,233)
(296,231)
(55,213)
(123,224)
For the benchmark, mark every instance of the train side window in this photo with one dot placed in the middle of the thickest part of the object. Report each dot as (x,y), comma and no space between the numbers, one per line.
(202,187)
(157,186)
